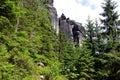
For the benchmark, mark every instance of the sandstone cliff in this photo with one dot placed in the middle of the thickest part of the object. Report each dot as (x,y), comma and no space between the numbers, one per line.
(53,15)
(73,30)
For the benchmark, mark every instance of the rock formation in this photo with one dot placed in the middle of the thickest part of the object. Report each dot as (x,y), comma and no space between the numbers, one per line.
(73,30)
(53,15)
(65,27)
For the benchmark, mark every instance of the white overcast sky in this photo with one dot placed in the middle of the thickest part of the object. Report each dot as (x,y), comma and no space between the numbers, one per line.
(79,10)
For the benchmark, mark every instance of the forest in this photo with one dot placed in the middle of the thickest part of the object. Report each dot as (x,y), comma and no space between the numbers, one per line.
(30,49)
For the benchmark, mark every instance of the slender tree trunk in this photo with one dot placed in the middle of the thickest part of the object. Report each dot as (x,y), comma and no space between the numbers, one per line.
(17,21)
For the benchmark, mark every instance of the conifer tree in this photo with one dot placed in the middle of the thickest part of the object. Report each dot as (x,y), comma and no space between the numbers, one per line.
(93,36)
(34,41)
(111,17)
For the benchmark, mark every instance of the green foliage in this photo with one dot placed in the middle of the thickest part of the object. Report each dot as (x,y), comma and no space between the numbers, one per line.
(113,65)
(60,78)
(90,32)
(110,22)
(16,62)
(93,37)
(28,38)
(107,66)
(77,63)
(29,41)
(9,9)
(5,25)
(85,63)
(105,47)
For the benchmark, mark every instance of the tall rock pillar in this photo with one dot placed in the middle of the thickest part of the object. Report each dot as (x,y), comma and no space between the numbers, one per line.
(53,15)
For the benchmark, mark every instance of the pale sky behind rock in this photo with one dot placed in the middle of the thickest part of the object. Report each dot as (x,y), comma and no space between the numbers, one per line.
(79,10)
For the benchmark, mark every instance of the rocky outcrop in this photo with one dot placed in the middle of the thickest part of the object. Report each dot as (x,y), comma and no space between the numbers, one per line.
(66,27)
(53,15)
(73,30)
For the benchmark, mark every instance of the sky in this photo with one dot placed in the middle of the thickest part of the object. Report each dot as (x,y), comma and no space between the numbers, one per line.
(79,10)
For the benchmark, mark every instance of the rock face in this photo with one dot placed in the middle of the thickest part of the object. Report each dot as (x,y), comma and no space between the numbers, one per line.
(53,15)
(73,30)
(65,27)
(50,2)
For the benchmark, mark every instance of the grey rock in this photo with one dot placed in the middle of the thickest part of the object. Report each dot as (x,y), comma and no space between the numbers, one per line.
(50,2)
(53,15)
(73,30)
(66,27)
(40,64)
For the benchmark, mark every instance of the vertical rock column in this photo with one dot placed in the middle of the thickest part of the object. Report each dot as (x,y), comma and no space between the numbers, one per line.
(73,30)
(53,15)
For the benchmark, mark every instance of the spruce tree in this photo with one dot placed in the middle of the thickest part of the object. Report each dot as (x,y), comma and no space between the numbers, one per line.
(93,36)
(111,17)
(34,41)
(107,63)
